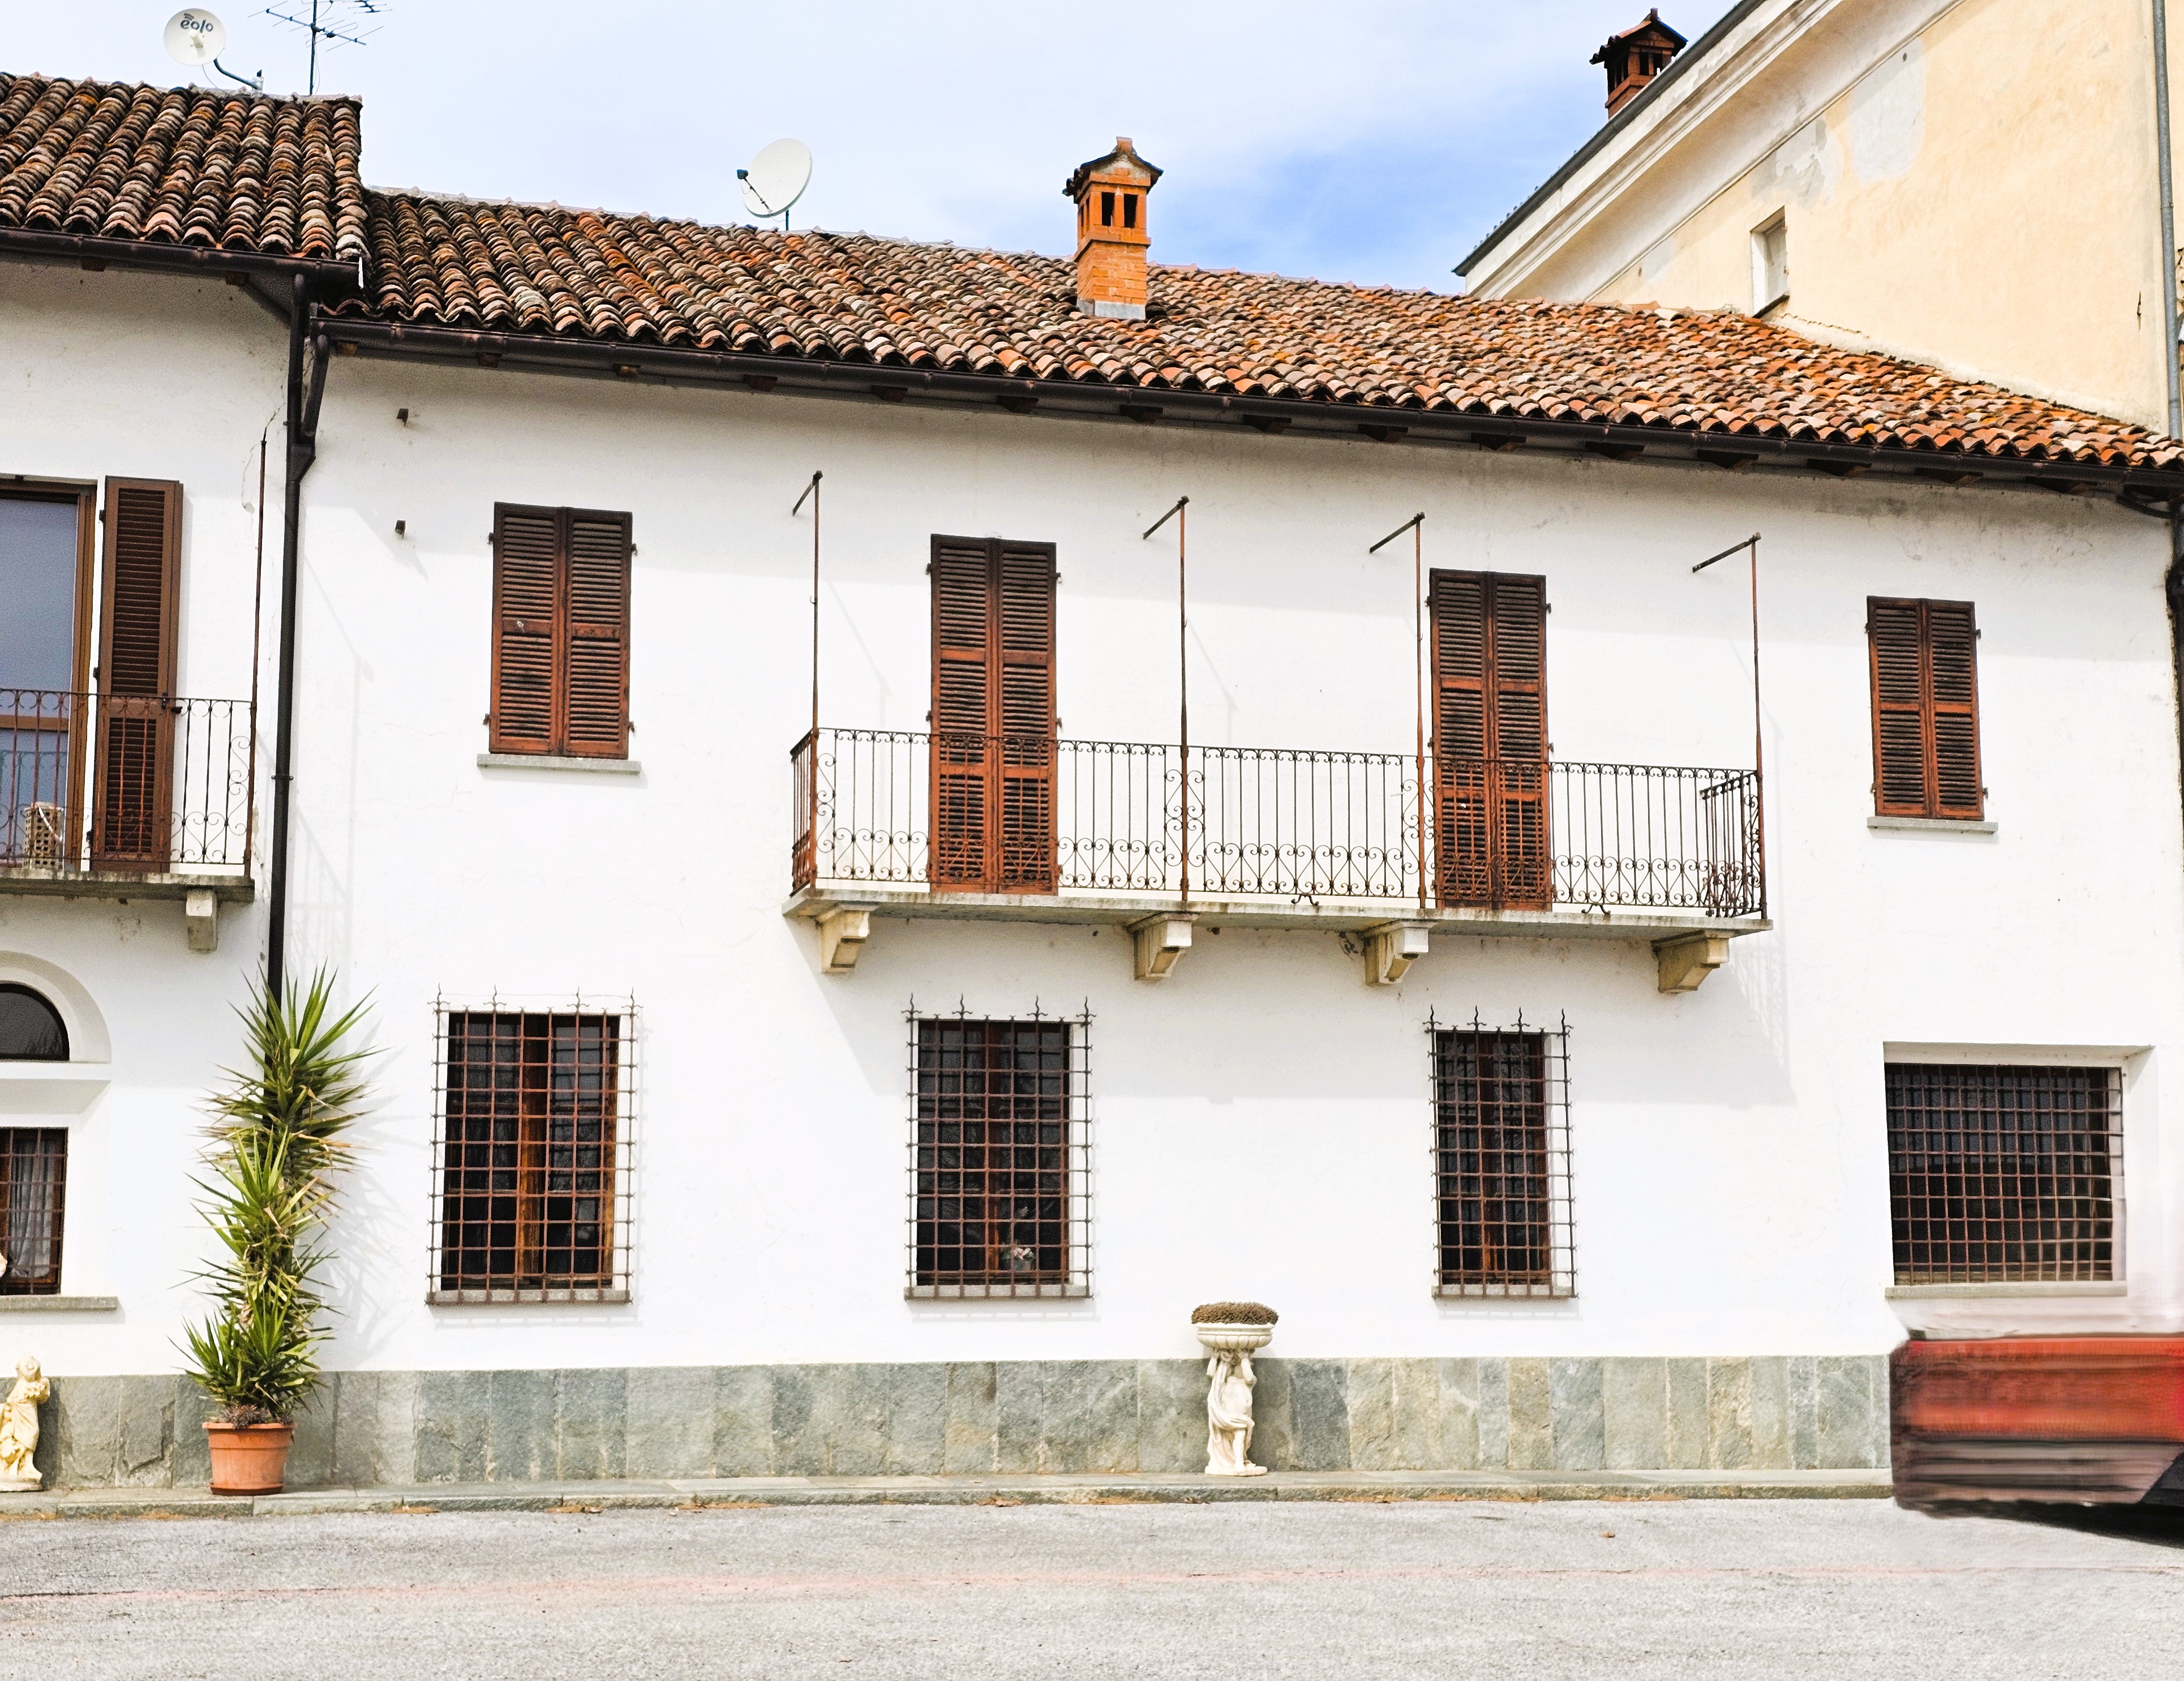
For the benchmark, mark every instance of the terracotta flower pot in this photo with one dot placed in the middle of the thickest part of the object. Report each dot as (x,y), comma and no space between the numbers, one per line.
(249,1459)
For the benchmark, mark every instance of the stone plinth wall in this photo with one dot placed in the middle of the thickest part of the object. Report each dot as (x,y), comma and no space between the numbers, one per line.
(374,1428)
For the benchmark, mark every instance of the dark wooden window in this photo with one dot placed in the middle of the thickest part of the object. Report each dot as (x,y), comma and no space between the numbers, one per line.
(1926,709)
(30,1029)
(532,1153)
(993,716)
(1501,1156)
(2002,1174)
(132,800)
(33,1190)
(1489,668)
(560,631)
(998,1157)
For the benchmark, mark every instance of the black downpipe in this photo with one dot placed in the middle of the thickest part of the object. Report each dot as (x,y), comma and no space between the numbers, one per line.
(2172,585)
(300,452)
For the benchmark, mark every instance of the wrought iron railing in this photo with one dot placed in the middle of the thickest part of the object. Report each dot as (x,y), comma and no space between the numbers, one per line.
(1295,824)
(138,784)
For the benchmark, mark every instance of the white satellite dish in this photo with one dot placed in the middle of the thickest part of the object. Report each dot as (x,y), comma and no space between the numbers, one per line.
(195,37)
(777,179)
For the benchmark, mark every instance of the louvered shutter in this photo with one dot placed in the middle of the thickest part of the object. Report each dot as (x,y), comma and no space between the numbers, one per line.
(962,746)
(1024,716)
(132,822)
(993,716)
(1953,686)
(595,651)
(1491,739)
(1926,709)
(526,628)
(1463,854)
(1517,670)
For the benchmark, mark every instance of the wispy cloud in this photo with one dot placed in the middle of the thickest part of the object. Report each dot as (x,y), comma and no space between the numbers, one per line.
(1372,144)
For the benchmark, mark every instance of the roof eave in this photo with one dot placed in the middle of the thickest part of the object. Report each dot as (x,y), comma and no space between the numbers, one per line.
(1305,417)
(170,258)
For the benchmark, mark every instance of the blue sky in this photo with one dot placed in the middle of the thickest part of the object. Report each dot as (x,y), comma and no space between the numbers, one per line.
(1372,142)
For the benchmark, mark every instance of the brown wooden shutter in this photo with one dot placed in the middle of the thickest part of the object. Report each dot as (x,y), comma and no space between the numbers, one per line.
(131,824)
(1952,685)
(595,655)
(1926,709)
(962,663)
(993,716)
(1491,739)
(1024,716)
(526,628)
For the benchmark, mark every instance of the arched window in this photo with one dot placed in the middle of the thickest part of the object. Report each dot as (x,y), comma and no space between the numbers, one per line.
(30,1028)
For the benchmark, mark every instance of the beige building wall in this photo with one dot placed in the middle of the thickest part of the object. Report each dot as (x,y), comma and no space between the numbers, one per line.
(1971,183)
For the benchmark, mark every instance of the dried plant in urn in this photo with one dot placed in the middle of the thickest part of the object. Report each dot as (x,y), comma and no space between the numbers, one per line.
(1231,1331)
(276,1145)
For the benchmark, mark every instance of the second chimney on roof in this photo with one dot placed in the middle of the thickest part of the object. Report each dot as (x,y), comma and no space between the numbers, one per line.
(1110,194)
(1635,57)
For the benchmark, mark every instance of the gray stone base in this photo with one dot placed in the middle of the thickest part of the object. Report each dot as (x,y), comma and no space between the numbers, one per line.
(370,1429)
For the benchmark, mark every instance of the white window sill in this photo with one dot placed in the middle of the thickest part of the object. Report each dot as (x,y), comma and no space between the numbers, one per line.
(549,761)
(2027,1288)
(1947,825)
(51,1087)
(60,1304)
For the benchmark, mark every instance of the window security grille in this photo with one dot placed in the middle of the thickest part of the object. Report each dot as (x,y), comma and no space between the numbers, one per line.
(1501,1180)
(1000,1157)
(1999,1174)
(534,1130)
(33,1187)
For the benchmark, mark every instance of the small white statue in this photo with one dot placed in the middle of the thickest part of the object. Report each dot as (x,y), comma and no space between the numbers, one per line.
(19,1427)
(1231,1330)
(1228,1415)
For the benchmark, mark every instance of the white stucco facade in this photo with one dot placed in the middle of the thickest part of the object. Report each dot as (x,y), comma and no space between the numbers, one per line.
(1261,1119)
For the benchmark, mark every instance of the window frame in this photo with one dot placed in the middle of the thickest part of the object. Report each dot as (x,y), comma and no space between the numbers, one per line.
(56,1138)
(1557,1279)
(1932,709)
(613,1284)
(559,740)
(1073,1277)
(1770,283)
(15,843)
(2097,1271)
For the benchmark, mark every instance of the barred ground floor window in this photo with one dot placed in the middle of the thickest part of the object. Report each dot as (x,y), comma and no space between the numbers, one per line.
(1000,1141)
(2003,1174)
(33,1193)
(1501,1160)
(532,1182)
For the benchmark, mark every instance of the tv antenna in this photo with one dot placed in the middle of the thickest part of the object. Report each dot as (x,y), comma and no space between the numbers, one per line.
(777,179)
(330,21)
(196,37)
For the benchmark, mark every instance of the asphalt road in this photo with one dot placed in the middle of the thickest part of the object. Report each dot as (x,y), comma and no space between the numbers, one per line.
(1703,1588)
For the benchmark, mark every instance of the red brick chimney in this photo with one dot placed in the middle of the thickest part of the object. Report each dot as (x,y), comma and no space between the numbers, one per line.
(1111,195)
(1635,57)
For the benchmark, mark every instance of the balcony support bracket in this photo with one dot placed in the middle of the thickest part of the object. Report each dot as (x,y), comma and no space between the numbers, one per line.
(1688,959)
(1390,949)
(842,932)
(201,917)
(1156,941)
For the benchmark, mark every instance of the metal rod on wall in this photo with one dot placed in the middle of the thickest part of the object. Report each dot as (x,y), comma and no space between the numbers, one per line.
(1183,667)
(811,495)
(1750,544)
(1416,525)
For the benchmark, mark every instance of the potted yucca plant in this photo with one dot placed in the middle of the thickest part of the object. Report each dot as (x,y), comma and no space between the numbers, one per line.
(276,1144)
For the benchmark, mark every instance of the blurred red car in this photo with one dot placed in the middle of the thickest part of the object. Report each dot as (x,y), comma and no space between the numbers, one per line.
(2096,1420)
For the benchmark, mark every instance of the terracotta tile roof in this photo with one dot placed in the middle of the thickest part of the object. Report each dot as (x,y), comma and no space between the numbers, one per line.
(181,166)
(851,298)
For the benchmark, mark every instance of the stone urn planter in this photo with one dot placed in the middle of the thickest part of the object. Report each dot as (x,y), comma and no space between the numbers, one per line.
(1231,1332)
(249,1459)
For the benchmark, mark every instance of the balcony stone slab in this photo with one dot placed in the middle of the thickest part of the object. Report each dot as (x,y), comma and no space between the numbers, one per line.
(1689,946)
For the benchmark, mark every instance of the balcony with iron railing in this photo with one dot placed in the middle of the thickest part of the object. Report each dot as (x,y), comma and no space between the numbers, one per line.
(126,796)
(1388,846)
